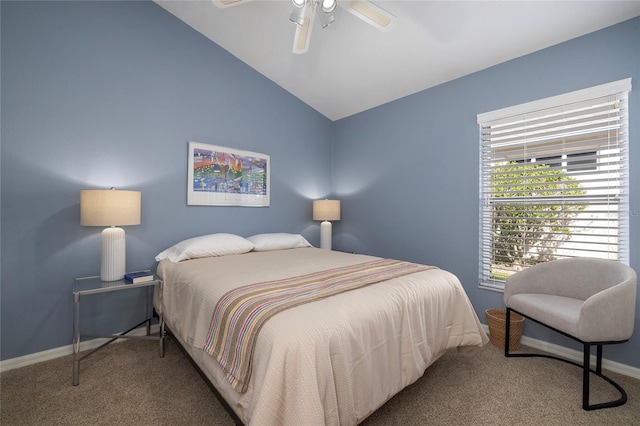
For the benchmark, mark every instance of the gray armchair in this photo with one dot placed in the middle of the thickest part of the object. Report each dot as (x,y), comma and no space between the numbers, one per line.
(589,300)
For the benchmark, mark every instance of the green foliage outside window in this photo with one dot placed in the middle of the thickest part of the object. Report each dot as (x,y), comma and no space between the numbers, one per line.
(529,232)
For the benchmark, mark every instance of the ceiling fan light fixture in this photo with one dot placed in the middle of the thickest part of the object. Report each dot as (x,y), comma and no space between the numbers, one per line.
(297,15)
(326,19)
(325,10)
(298,3)
(328,6)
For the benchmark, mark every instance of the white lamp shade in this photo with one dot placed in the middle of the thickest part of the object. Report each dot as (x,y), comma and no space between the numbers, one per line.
(109,207)
(326,210)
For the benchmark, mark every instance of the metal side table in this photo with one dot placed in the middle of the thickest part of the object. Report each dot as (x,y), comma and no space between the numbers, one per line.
(86,286)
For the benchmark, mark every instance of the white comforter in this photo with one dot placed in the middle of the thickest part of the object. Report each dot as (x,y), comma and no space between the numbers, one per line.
(330,362)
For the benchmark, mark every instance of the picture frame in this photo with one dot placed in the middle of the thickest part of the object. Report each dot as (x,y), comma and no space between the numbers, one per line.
(223,176)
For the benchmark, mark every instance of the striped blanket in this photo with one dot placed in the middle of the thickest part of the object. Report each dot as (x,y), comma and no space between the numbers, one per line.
(240,313)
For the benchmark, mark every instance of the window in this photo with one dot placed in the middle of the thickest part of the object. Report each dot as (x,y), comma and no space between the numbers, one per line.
(554,181)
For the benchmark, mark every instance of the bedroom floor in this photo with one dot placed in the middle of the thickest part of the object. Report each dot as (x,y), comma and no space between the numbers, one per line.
(128,384)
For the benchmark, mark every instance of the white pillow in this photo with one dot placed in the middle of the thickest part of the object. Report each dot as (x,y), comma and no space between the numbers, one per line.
(278,241)
(207,246)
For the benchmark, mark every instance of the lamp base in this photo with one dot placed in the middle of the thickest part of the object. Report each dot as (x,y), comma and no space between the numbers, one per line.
(325,235)
(113,254)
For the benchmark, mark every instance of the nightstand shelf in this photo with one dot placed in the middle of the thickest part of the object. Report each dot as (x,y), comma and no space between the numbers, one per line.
(86,286)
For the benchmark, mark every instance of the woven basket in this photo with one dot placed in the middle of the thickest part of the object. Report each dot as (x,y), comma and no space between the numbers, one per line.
(497,321)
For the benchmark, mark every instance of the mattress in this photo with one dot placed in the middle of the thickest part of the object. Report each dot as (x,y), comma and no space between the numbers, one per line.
(329,362)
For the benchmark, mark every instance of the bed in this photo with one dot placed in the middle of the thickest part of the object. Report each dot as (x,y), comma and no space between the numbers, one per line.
(331,361)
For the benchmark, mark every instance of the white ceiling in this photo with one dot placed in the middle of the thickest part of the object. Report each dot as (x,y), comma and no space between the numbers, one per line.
(351,66)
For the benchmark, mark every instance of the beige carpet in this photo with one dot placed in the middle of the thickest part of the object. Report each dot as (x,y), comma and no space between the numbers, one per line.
(128,384)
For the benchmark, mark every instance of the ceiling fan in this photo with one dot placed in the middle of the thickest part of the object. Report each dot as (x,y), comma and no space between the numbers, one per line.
(305,11)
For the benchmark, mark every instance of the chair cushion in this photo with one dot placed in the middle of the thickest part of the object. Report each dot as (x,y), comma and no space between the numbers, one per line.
(559,312)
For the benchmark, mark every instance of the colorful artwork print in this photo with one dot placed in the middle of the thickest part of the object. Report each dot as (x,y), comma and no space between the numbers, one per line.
(216,171)
(228,177)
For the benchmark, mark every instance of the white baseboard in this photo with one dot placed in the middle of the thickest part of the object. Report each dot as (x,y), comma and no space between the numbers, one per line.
(576,356)
(47,355)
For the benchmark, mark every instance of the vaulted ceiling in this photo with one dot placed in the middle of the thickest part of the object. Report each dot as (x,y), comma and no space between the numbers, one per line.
(351,66)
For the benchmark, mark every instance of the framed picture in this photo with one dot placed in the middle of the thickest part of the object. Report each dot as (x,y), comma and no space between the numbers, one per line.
(221,176)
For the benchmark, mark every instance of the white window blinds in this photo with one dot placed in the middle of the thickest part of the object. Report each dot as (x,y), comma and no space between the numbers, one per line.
(554,181)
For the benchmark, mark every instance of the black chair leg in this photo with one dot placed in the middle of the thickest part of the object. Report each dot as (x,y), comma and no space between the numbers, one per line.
(598,372)
(586,360)
(507,332)
(586,365)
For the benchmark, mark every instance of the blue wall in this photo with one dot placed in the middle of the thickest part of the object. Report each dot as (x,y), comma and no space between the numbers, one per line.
(103,94)
(413,193)
(100,94)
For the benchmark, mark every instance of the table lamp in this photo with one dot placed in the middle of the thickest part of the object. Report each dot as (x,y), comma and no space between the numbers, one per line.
(112,208)
(326,210)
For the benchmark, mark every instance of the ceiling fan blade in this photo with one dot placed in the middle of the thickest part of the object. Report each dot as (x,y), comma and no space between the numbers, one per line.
(371,14)
(228,3)
(303,32)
